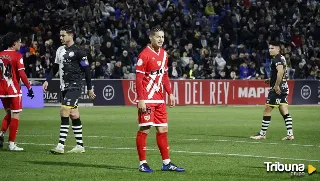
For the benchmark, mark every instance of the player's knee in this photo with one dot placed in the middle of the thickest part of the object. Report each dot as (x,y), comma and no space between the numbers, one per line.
(8,111)
(15,115)
(267,110)
(145,129)
(162,129)
(74,115)
(284,110)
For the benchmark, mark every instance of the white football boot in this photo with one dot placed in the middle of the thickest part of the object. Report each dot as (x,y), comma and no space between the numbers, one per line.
(258,136)
(288,137)
(77,149)
(14,147)
(59,149)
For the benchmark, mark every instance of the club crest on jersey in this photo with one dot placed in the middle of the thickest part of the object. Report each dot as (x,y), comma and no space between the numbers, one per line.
(71,54)
(159,63)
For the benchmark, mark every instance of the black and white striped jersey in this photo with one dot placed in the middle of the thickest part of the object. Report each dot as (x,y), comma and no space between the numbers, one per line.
(71,61)
(279,60)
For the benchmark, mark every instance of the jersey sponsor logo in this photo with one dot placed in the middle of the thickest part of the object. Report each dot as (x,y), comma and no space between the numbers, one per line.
(140,62)
(305,92)
(108,92)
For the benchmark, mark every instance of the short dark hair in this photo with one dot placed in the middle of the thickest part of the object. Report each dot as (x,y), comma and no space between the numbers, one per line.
(275,43)
(155,29)
(8,40)
(68,29)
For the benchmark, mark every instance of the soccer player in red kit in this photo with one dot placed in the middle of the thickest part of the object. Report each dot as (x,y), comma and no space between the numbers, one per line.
(151,79)
(11,71)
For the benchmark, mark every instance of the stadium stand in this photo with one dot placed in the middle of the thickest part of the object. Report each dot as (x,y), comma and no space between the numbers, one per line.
(218,39)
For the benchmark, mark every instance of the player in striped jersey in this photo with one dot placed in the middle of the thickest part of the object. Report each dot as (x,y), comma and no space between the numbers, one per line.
(72,64)
(278,95)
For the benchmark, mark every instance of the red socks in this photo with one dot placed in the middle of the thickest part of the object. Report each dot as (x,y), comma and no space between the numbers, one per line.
(162,141)
(13,129)
(6,122)
(141,142)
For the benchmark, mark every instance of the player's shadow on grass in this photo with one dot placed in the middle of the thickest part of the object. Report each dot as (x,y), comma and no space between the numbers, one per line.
(110,167)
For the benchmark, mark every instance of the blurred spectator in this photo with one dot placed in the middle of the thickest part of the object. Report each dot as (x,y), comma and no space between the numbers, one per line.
(174,71)
(117,71)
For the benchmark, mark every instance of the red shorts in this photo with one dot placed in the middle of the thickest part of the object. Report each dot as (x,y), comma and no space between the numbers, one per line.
(12,103)
(156,115)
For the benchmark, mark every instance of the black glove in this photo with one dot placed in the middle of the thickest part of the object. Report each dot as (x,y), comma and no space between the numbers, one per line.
(30,93)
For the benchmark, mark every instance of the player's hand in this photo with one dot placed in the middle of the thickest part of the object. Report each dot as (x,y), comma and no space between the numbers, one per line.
(267,81)
(172,100)
(30,93)
(277,89)
(45,85)
(91,94)
(142,106)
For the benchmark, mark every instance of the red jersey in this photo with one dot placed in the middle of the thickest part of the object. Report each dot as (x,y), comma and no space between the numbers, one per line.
(10,64)
(153,66)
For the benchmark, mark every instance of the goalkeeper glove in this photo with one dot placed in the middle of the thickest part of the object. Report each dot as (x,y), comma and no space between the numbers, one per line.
(30,93)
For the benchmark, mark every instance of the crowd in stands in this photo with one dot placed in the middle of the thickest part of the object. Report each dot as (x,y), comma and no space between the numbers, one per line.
(205,39)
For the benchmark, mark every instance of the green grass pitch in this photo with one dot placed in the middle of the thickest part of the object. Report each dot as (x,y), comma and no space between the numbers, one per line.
(211,143)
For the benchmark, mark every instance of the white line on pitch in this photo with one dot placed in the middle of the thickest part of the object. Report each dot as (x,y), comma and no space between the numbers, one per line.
(183,139)
(190,152)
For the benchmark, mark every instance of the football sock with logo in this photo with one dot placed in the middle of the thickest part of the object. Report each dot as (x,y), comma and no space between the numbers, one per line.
(265,124)
(13,129)
(141,143)
(162,142)
(288,121)
(77,131)
(6,123)
(64,129)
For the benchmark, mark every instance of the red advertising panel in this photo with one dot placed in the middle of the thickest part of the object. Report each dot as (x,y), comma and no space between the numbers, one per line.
(129,91)
(211,92)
